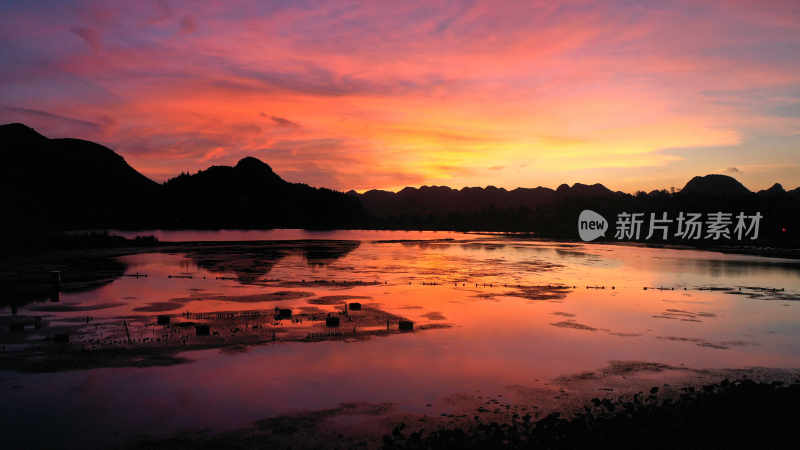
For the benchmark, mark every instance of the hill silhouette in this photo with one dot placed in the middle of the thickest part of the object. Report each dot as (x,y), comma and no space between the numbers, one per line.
(57,184)
(65,183)
(62,184)
(714,185)
(249,195)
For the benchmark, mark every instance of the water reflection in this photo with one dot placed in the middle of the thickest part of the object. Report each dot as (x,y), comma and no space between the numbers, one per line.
(286,234)
(250,262)
(490,314)
(732,268)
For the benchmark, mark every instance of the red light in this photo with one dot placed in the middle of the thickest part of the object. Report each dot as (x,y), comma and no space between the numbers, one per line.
(783,229)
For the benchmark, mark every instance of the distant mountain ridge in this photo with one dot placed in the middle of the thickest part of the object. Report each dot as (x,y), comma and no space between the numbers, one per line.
(469,199)
(71,183)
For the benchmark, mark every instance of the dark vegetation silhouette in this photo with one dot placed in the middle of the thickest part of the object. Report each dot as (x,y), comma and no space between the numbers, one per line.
(62,184)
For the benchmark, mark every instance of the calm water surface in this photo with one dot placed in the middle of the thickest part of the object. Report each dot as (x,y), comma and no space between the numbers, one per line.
(501,334)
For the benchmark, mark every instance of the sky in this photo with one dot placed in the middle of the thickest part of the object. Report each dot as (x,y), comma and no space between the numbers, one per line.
(637,95)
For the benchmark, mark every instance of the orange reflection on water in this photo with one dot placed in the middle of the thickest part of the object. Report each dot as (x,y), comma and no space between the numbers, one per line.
(518,313)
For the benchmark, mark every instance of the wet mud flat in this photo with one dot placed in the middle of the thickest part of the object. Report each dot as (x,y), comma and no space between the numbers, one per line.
(146,340)
(628,404)
(730,414)
(43,339)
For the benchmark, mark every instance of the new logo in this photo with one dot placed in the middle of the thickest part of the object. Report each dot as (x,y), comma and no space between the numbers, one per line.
(591,225)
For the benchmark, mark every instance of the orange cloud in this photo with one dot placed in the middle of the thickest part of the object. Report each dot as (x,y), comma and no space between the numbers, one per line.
(386,94)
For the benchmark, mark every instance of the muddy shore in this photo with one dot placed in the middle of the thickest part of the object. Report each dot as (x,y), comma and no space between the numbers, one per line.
(629,404)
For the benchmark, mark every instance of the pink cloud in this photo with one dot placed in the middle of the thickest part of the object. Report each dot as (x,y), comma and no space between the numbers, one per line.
(389,93)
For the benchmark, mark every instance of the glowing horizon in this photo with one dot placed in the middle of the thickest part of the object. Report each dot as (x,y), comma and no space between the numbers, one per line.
(636,96)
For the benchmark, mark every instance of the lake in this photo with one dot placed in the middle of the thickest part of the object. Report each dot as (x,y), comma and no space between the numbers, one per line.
(491,314)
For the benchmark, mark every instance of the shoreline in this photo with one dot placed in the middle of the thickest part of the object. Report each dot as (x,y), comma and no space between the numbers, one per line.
(106,240)
(567,414)
(752,250)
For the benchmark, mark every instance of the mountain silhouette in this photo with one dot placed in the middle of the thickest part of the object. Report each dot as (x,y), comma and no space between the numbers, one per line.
(442,199)
(775,191)
(55,183)
(715,185)
(249,195)
(552,213)
(58,184)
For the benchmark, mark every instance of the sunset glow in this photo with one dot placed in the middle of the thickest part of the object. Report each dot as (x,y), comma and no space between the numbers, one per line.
(634,95)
